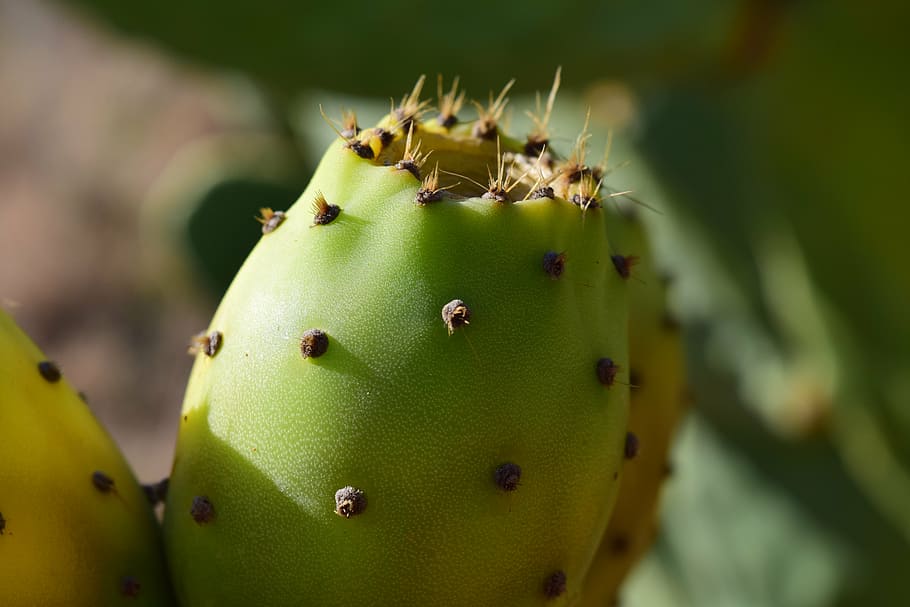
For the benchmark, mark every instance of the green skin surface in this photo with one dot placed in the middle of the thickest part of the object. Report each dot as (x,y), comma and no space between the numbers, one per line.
(657,406)
(416,418)
(64,543)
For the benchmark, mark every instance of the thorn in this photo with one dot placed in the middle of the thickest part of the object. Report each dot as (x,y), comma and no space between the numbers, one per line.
(489,117)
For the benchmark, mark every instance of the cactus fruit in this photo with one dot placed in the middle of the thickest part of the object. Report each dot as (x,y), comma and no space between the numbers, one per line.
(406,406)
(657,403)
(75,527)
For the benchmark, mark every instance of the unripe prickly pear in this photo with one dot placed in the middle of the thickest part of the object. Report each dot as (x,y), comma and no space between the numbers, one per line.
(75,527)
(657,403)
(406,404)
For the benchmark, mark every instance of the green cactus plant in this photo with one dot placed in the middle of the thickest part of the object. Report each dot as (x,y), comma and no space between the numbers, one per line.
(415,392)
(75,527)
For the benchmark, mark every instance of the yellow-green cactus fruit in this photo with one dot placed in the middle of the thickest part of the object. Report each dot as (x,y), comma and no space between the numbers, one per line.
(76,528)
(657,403)
(415,391)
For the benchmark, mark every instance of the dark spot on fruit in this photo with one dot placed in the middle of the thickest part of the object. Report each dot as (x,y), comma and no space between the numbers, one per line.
(207,344)
(361,149)
(83,397)
(323,212)
(606,371)
(102,482)
(496,193)
(429,189)
(668,469)
(455,315)
(624,263)
(130,587)
(615,475)
(447,121)
(425,196)
(485,128)
(575,172)
(585,202)
(449,104)
(314,343)
(486,125)
(49,371)
(554,263)
(349,501)
(507,476)
(270,219)
(2,524)
(385,137)
(544,192)
(411,124)
(186,417)
(619,544)
(411,167)
(535,146)
(202,510)
(631,448)
(555,585)
(635,378)
(156,493)
(214,344)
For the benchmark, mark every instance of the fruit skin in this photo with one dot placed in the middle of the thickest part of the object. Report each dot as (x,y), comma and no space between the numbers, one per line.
(657,405)
(417,419)
(70,538)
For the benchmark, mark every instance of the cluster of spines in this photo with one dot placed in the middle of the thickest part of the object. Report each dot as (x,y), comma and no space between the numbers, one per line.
(534,165)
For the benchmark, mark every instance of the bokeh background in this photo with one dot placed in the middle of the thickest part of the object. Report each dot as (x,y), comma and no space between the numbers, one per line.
(138,140)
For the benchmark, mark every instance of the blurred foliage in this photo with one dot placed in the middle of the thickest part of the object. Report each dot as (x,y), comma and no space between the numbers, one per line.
(374,48)
(767,137)
(198,221)
(789,175)
(733,537)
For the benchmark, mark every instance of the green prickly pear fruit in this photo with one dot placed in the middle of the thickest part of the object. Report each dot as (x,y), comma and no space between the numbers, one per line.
(408,395)
(657,403)
(76,528)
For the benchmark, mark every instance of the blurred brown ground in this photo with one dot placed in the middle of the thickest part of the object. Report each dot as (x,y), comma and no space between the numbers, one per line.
(87,123)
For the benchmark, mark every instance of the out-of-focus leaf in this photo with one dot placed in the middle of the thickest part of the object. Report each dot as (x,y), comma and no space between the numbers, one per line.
(199,221)
(222,231)
(379,48)
(732,537)
(810,144)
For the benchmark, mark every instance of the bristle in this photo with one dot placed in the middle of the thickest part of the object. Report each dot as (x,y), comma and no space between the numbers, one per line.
(539,137)
(412,160)
(429,190)
(349,126)
(323,212)
(411,108)
(449,104)
(488,118)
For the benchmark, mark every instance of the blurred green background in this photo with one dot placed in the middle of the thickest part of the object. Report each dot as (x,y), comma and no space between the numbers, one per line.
(138,140)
